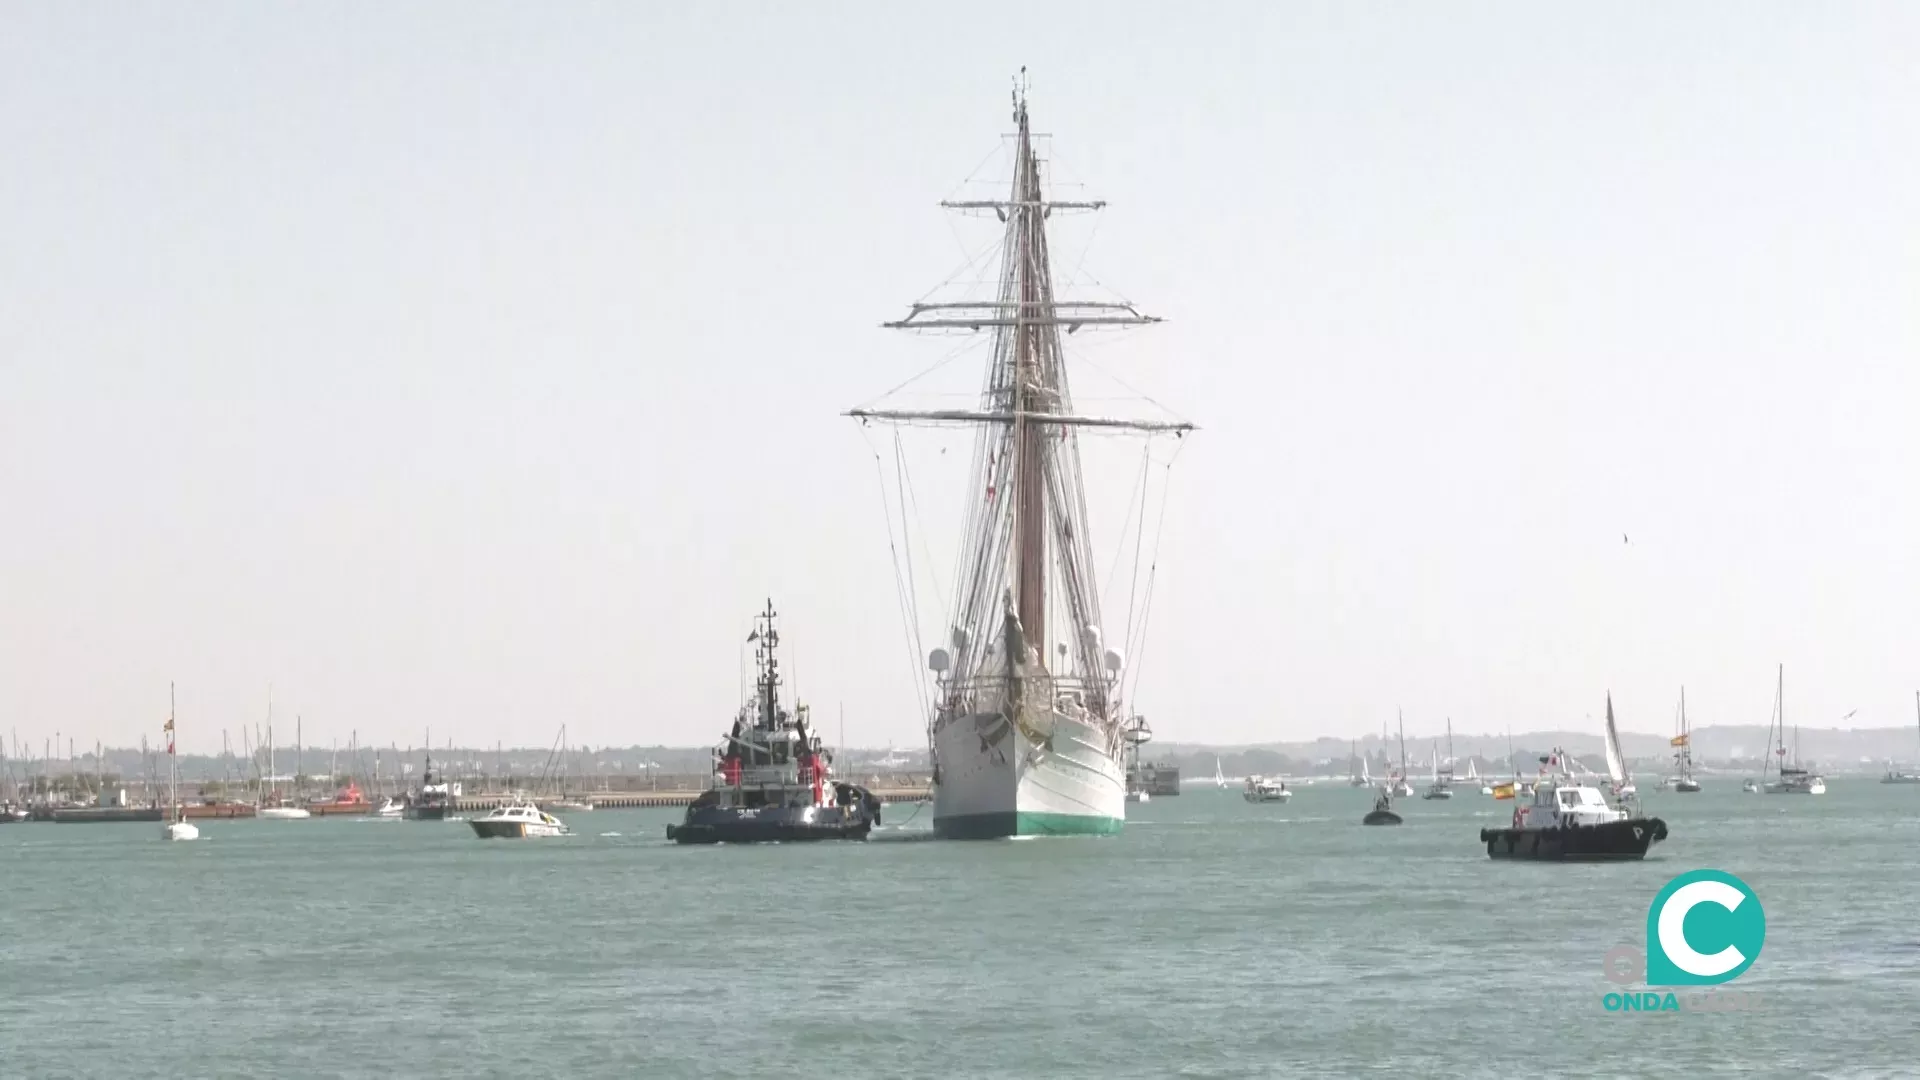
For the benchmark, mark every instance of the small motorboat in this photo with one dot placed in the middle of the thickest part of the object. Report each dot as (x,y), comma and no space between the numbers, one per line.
(517,821)
(389,807)
(1260,789)
(1138,795)
(571,805)
(284,813)
(1382,812)
(182,830)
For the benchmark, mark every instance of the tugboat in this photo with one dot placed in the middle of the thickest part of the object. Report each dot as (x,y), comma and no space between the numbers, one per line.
(1571,821)
(771,774)
(430,803)
(1382,812)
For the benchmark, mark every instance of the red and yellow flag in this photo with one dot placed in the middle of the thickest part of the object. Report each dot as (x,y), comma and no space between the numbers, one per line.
(1503,791)
(1677,740)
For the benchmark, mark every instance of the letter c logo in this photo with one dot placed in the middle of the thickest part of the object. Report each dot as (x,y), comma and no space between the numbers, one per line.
(1728,930)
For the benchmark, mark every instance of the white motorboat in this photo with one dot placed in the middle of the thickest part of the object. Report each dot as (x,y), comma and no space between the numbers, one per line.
(1261,789)
(1138,796)
(283,813)
(178,827)
(389,807)
(518,820)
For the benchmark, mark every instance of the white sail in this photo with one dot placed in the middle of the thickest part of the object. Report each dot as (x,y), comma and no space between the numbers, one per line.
(1616,764)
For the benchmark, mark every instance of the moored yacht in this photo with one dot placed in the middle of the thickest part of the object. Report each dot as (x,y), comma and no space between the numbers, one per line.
(1261,789)
(1441,786)
(1896,776)
(178,827)
(517,820)
(1788,779)
(1682,779)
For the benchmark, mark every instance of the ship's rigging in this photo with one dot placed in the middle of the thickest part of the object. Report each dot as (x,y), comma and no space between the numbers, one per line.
(1026,546)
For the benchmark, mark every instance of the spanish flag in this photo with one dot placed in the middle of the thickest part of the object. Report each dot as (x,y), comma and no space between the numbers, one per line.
(1677,740)
(1503,791)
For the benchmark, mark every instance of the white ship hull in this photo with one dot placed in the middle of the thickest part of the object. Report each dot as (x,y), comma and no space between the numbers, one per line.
(283,813)
(1013,788)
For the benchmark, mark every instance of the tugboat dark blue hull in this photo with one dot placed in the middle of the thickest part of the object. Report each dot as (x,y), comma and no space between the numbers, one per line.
(766,826)
(1381,817)
(856,813)
(1613,840)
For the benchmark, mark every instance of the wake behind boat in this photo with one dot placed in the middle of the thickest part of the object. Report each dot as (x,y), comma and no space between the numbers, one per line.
(771,777)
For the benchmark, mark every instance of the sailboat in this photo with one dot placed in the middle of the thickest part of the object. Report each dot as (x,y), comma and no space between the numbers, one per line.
(274,807)
(1788,779)
(1621,779)
(1441,786)
(1219,778)
(1397,781)
(1360,778)
(1682,779)
(1028,730)
(178,828)
(1895,776)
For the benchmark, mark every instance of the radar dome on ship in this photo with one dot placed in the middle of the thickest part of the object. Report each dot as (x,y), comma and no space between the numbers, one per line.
(939,661)
(1115,660)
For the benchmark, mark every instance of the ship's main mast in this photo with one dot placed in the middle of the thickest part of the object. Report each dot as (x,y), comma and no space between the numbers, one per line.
(1027,513)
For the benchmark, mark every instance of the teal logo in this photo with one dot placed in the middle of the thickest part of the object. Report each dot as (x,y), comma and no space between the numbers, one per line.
(1704,928)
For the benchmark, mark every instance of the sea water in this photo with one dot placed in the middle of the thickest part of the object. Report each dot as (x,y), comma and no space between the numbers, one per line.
(1212,938)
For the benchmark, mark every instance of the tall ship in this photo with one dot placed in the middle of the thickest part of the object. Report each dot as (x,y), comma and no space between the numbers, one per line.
(771,779)
(1028,733)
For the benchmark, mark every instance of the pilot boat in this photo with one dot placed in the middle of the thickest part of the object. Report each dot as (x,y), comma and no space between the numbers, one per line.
(517,820)
(771,776)
(1261,789)
(1571,821)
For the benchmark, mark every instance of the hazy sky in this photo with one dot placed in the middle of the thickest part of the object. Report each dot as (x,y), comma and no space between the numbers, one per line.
(479,365)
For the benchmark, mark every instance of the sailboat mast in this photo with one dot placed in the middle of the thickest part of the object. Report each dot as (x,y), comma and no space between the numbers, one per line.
(173,767)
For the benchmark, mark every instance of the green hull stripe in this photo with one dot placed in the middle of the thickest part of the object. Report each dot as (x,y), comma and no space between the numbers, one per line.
(1022,823)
